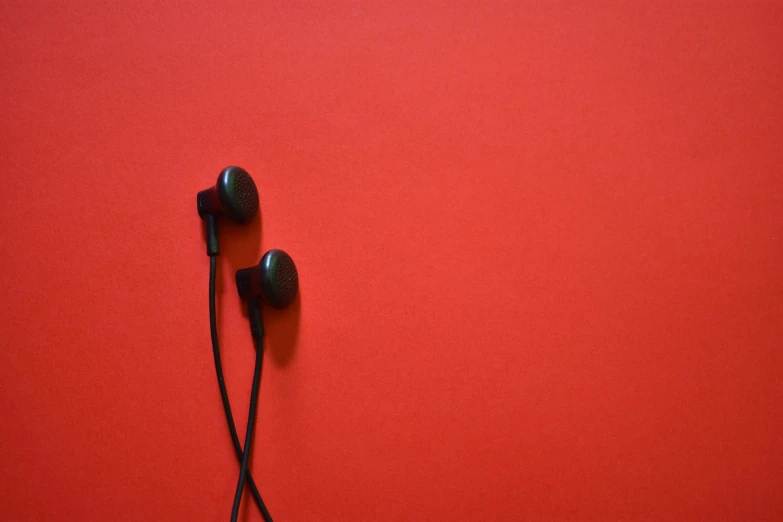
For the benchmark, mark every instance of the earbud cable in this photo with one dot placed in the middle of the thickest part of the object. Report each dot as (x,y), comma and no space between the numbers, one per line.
(224,394)
(251,422)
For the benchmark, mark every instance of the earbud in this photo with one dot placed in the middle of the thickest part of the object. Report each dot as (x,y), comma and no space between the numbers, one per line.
(275,279)
(234,195)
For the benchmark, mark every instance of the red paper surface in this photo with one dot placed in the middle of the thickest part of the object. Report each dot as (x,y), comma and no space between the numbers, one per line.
(539,249)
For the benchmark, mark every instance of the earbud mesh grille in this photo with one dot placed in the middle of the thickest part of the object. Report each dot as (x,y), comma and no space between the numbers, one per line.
(287,279)
(246,193)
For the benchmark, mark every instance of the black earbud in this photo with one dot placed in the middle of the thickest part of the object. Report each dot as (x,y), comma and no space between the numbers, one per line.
(234,195)
(274,279)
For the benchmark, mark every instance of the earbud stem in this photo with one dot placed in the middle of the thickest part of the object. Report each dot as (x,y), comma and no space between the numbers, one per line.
(254,314)
(213,249)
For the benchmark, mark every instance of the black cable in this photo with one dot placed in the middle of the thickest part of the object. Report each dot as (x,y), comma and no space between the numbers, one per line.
(251,422)
(222,385)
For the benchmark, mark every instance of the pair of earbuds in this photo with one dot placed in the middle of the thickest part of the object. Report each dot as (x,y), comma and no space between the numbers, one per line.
(274,281)
(235,196)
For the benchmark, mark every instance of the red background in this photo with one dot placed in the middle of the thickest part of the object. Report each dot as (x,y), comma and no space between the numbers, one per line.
(539,250)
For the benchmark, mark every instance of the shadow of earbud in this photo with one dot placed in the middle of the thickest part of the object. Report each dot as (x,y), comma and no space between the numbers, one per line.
(240,245)
(281,329)
(281,325)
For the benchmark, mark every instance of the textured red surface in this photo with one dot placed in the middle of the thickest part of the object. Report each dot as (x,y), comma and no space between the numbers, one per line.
(540,251)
